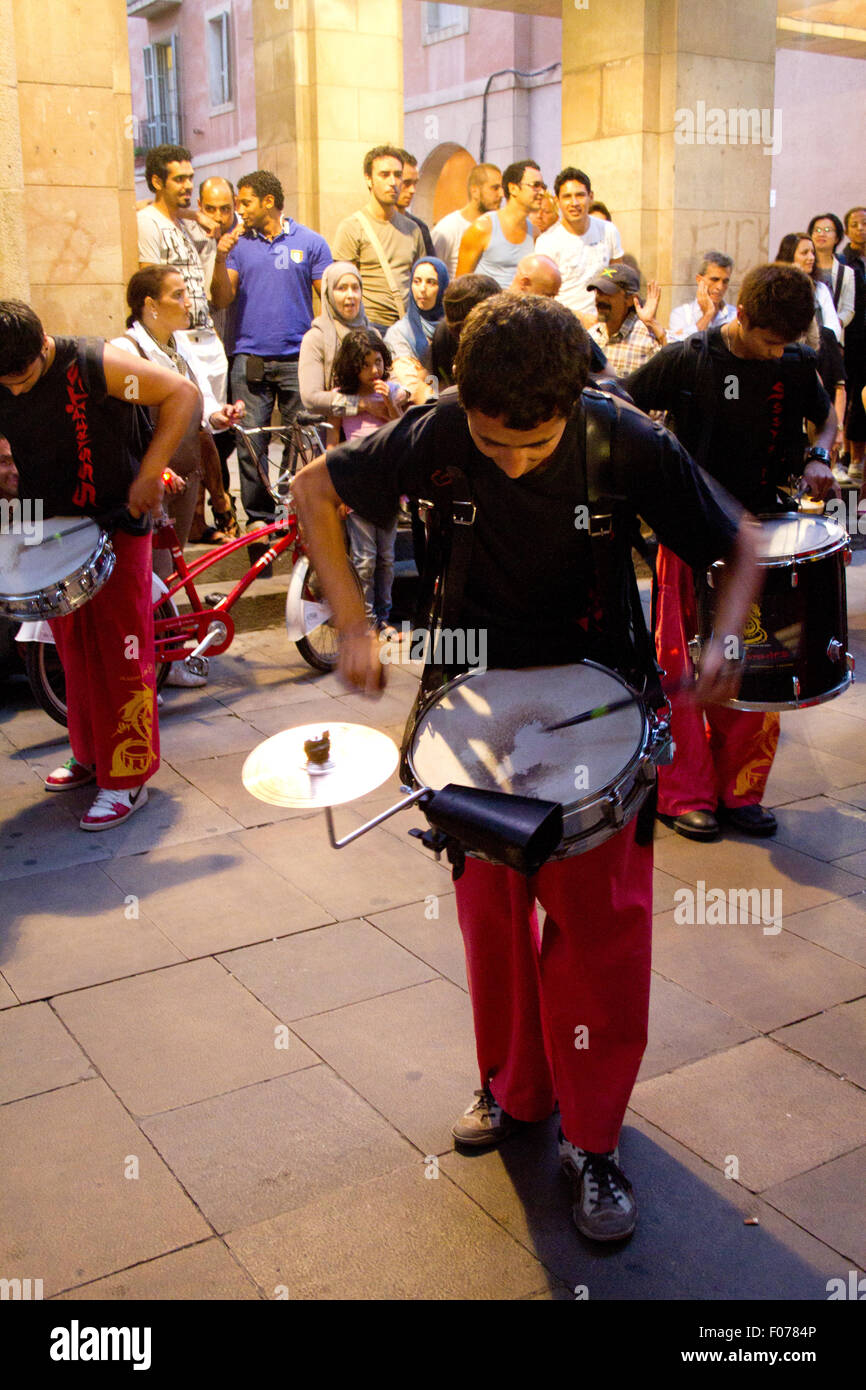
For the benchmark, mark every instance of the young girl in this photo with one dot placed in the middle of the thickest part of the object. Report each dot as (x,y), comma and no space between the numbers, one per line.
(361,368)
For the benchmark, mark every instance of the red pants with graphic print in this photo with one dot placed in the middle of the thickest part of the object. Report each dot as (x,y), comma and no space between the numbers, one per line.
(106,648)
(561,1013)
(722,755)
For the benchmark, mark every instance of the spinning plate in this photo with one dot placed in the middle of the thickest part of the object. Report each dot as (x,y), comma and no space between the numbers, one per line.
(278,771)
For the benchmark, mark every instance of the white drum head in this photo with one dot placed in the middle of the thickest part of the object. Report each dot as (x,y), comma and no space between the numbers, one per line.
(487,730)
(67,545)
(797,535)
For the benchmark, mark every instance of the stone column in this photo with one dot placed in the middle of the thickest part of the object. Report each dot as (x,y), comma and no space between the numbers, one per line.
(329,85)
(67,121)
(668,106)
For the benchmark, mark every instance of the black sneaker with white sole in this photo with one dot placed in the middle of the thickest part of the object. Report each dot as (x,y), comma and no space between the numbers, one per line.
(604,1207)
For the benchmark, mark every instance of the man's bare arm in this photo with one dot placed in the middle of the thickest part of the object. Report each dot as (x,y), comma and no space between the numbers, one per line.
(473,244)
(317,503)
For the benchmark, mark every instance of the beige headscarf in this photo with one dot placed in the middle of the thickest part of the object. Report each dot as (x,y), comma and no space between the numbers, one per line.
(330,322)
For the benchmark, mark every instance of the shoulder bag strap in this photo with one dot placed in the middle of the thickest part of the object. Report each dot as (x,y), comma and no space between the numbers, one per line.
(386,269)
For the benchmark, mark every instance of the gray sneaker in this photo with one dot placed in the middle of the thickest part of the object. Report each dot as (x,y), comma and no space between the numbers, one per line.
(484,1124)
(604,1207)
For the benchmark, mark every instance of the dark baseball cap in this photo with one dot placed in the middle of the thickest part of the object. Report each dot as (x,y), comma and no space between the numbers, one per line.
(616,277)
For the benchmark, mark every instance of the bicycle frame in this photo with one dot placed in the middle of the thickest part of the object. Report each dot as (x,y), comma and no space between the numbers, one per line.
(212,628)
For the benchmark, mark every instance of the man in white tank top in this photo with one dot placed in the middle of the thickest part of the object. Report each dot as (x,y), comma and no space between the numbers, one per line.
(496,244)
(484,190)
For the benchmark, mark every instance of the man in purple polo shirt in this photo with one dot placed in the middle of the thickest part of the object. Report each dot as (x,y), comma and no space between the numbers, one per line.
(271,272)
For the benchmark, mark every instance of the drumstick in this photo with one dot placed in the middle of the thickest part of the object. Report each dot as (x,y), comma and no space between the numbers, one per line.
(611,708)
(59,535)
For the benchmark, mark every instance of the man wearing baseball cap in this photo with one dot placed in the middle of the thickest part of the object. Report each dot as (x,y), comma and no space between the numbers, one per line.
(626,331)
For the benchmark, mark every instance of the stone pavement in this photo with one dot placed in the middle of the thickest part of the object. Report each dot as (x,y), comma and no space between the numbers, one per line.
(230,1056)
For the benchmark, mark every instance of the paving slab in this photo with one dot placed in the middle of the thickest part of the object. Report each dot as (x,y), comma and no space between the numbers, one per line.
(221,781)
(824,827)
(836,1039)
(68,1211)
(37,1053)
(213,896)
(827,730)
(690,1242)
(839,926)
(198,1273)
(64,931)
(324,969)
(778,1114)
(737,861)
(411,1054)
(179,1035)
(683,1028)
(271,1147)
(400,1236)
(323,709)
(430,931)
(800,771)
(39,832)
(370,875)
(766,980)
(829,1202)
(8,999)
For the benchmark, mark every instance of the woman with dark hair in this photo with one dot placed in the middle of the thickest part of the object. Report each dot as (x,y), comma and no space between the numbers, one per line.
(824,334)
(409,339)
(159,307)
(826,231)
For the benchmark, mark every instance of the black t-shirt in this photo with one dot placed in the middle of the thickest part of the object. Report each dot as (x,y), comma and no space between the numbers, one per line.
(531,580)
(741,419)
(74,445)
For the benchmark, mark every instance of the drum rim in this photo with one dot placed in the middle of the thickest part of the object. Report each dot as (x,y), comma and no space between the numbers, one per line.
(779,707)
(796,557)
(630,769)
(102,554)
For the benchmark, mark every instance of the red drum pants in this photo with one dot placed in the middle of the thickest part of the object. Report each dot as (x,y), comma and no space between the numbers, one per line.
(722,755)
(106,648)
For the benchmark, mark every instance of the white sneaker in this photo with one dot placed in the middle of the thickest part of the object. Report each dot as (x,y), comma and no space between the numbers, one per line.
(180,674)
(113,806)
(604,1207)
(855,473)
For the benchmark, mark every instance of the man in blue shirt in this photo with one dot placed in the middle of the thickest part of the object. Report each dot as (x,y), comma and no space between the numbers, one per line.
(270,275)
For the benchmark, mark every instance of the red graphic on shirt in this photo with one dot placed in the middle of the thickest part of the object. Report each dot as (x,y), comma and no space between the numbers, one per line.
(776,402)
(85,492)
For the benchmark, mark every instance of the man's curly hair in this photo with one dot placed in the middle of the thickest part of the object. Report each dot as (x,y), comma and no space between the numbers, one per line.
(522,359)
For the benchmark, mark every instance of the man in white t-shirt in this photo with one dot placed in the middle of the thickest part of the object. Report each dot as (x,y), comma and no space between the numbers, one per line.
(708,309)
(580,244)
(163,239)
(484,190)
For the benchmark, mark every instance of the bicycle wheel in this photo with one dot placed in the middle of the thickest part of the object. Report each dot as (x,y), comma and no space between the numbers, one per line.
(320,647)
(48,680)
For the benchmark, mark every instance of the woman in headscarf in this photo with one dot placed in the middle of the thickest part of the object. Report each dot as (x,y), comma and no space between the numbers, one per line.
(409,339)
(342,310)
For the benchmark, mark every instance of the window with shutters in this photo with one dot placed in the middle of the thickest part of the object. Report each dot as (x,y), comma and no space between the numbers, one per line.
(163,124)
(220,58)
(443,22)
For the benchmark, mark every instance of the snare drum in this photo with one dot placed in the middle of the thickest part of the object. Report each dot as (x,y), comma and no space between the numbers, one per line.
(487,729)
(796,635)
(54,577)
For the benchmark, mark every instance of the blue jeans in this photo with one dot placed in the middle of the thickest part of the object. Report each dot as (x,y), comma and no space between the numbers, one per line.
(280,386)
(372,549)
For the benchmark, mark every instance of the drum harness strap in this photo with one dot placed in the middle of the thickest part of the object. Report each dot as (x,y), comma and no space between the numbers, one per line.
(450,519)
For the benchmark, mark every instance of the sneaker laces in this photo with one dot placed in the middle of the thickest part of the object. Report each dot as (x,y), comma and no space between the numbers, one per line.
(484,1103)
(605,1182)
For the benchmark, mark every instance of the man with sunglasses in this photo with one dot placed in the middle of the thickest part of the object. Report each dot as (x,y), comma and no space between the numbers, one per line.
(496,244)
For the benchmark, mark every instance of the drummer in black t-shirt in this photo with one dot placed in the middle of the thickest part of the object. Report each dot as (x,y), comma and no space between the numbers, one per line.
(516,431)
(66,407)
(738,395)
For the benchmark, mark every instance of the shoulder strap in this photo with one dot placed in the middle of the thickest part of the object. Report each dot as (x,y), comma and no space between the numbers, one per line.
(837,287)
(386,269)
(137,345)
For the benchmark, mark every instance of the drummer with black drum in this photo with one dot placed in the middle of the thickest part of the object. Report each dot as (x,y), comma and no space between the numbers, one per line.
(505,459)
(738,396)
(68,409)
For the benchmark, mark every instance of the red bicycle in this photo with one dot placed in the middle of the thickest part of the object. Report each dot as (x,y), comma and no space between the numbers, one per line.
(206,628)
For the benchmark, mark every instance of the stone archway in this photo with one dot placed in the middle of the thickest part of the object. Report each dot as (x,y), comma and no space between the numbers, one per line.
(442,182)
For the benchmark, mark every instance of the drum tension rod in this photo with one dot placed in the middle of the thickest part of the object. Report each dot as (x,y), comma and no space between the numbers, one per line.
(410,800)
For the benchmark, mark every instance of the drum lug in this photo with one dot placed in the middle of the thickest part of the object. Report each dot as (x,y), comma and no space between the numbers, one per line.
(796,684)
(695,648)
(795,578)
(835,649)
(849,661)
(613,810)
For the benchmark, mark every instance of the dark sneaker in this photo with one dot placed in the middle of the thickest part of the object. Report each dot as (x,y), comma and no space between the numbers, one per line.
(484,1124)
(604,1207)
(749,820)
